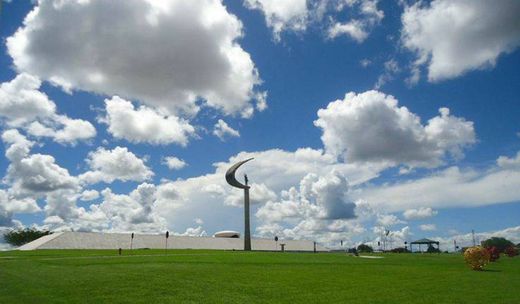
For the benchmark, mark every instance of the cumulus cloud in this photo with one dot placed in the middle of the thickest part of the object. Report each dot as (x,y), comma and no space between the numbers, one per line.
(89,195)
(428,227)
(63,129)
(21,101)
(451,187)
(107,47)
(353,28)
(512,163)
(117,164)
(388,220)
(33,173)
(454,37)
(12,205)
(174,163)
(319,197)
(259,194)
(419,214)
(360,27)
(282,15)
(371,127)
(23,105)
(145,124)
(298,15)
(191,231)
(135,209)
(222,130)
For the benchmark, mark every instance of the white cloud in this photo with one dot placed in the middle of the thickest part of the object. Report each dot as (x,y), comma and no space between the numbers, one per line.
(371,127)
(117,164)
(145,124)
(353,28)
(298,15)
(282,15)
(512,163)
(360,27)
(23,105)
(428,227)
(174,163)
(318,197)
(259,194)
(12,205)
(388,220)
(418,214)
(89,195)
(452,37)
(222,129)
(36,173)
(110,48)
(451,187)
(135,211)
(365,62)
(72,130)
(190,231)
(21,101)
(391,67)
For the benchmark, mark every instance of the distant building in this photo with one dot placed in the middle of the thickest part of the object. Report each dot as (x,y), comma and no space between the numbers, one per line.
(227,234)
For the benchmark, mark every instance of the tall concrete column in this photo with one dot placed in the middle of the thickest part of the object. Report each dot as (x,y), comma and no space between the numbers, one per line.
(231,179)
(247,229)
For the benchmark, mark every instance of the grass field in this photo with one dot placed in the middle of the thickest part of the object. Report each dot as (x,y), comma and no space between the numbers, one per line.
(197,276)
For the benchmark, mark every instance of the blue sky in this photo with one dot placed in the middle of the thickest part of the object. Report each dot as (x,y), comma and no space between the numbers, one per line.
(424,144)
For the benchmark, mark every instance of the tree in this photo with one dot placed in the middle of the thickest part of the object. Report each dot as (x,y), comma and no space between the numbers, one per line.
(500,243)
(24,236)
(364,248)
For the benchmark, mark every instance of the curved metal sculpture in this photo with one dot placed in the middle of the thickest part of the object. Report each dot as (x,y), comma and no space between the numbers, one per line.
(231,179)
(230,175)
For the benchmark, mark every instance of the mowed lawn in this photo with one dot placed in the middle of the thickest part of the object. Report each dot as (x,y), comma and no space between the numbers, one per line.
(197,276)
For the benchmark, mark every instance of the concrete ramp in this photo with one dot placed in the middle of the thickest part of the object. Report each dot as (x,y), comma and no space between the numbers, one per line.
(94,240)
(40,242)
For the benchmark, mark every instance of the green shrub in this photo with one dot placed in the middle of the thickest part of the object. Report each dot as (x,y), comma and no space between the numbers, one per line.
(24,236)
(364,248)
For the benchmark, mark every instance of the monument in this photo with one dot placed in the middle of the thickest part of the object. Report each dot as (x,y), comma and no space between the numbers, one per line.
(231,179)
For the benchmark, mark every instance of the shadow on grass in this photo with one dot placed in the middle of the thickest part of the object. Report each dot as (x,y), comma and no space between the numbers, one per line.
(491,270)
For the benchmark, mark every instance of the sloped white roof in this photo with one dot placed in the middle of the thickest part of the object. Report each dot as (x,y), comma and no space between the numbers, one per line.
(96,240)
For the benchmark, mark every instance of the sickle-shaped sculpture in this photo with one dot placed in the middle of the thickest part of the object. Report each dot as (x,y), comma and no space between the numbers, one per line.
(231,179)
(230,175)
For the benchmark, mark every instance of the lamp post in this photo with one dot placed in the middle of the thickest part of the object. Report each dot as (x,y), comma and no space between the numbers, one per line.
(166,246)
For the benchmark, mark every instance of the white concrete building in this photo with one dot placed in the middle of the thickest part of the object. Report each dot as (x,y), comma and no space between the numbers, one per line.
(95,240)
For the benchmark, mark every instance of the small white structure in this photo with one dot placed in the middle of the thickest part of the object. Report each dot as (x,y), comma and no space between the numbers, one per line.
(98,240)
(227,234)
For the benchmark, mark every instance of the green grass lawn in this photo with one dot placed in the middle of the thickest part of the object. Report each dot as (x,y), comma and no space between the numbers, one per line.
(203,276)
